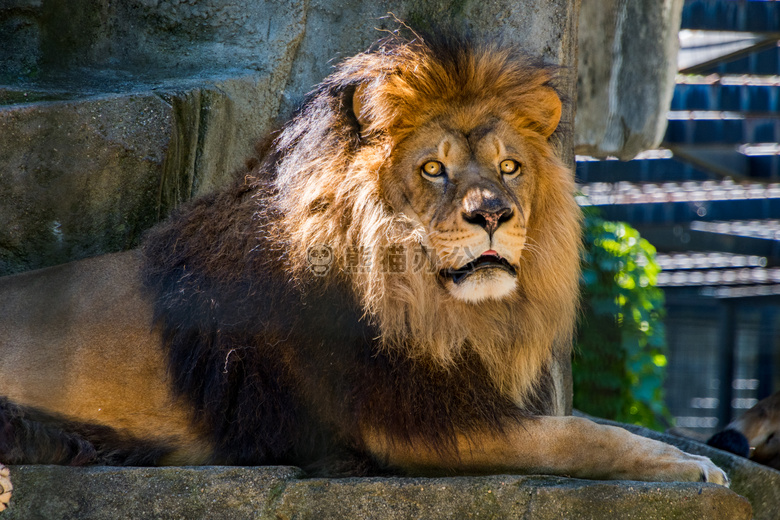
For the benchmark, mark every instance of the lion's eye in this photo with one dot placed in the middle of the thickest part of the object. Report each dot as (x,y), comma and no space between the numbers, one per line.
(510,167)
(433,169)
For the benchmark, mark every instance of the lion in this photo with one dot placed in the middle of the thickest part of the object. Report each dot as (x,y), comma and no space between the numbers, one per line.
(755,435)
(390,286)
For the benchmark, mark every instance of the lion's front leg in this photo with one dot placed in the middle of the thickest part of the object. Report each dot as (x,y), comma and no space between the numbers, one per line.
(581,448)
(567,446)
(6,488)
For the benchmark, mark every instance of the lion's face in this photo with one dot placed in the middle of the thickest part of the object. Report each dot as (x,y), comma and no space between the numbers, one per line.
(432,174)
(470,187)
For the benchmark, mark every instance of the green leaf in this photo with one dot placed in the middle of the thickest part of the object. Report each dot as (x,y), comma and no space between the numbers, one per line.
(620,359)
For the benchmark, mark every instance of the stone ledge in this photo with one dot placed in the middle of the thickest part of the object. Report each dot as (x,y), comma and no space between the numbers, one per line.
(758,483)
(56,492)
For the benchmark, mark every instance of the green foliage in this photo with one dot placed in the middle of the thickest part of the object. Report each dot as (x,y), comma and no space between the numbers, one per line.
(620,356)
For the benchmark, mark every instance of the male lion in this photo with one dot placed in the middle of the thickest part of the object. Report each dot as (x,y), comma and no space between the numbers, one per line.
(390,288)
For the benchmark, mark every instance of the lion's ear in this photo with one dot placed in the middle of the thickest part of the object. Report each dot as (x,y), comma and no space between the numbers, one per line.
(546,110)
(358,106)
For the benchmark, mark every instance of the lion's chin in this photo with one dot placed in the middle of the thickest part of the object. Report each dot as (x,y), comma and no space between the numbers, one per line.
(485,284)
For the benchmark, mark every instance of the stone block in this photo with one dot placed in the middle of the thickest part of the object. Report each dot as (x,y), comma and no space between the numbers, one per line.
(78,178)
(627,66)
(97,493)
(88,176)
(101,493)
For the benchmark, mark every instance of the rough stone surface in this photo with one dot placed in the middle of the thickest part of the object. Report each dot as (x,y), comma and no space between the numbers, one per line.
(153,38)
(627,65)
(87,176)
(758,483)
(62,40)
(58,492)
(53,493)
(85,170)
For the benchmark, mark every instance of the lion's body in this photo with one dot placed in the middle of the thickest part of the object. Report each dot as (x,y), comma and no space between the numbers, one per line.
(79,343)
(393,286)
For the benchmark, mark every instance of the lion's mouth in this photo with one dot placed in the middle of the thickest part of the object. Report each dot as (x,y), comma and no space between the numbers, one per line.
(488,260)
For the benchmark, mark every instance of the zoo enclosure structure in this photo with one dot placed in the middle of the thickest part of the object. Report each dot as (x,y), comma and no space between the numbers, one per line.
(709,201)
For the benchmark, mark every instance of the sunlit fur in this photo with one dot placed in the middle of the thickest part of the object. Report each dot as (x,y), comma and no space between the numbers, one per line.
(330,191)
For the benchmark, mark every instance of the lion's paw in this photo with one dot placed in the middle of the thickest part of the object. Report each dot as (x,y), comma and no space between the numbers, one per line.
(6,488)
(695,468)
(709,472)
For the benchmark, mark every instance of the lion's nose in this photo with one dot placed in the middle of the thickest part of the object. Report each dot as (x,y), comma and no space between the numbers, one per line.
(488,219)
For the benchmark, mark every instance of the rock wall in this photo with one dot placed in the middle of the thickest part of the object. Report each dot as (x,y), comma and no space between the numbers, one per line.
(627,64)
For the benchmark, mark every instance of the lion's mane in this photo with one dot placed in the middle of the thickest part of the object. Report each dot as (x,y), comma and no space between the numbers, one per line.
(330,195)
(253,333)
